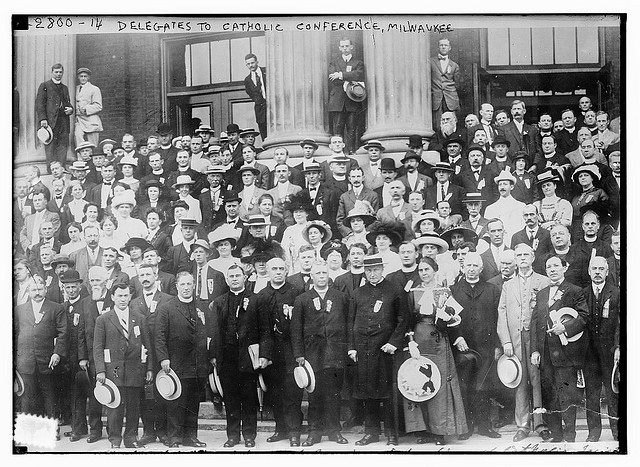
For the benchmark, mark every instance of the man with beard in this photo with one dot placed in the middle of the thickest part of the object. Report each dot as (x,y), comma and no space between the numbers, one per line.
(448,129)
(90,308)
(507,208)
(522,136)
(153,408)
(376,331)
(275,301)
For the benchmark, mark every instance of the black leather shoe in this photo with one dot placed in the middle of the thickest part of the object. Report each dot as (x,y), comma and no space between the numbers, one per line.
(74,437)
(231,442)
(115,445)
(93,438)
(423,440)
(392,440)
(294,441)
(67,433)
(545,435)
(465,436)
(488,432)
(592,439)
(311,440)
(250,443)
(147,439)
(519,436)
(367,439)
(134,444)
(194,443)
(169,444)
(277,436)
(338,438)
(440,440)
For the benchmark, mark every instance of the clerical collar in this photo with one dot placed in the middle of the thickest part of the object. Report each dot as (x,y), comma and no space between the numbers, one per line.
(549,156)
(273,286)
(472,282)
(75,300)
(411,269)
(340,178)
(357,270)
(498,159)
(158,172)
(184,300)
(561,252)
(238,292)
(590,239)
(168,146)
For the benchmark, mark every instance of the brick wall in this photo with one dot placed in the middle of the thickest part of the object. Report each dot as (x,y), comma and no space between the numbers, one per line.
(126,68)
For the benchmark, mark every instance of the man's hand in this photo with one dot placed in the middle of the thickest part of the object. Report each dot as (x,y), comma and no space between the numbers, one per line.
(335,75)
(497,353)
(413,349)
(557,329)
(263,362)
(100,377)
(166,366)
(388,348)
(508,349)
(55,359)
(68,110)
(535,358)
(353,355)
(44,123)
(149,376)
(214,362)
(616,355)
(84,365)
(300,361)
(462,345)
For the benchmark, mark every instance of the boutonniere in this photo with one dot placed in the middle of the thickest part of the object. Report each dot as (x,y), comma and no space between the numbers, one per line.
(524,132)
(286,310)
(329,305)
(245,303)
(109,284)
(200,315)
(316,303)
(253,202)
(558,295)
(161,180)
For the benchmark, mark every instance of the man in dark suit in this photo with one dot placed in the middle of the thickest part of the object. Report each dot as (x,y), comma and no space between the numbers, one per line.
(102,193)
(210,283)
(521,136)
(536,237)
(559,363)
(567,138)
(319,335)
(348,200)
(444,190)
(40,330)
(181,331)
(167,151)
(255,85)
(603,329)
(479,177)
(315,189)
(614,261)
(153,410)
(581,252)
(120,344)
(234,145)
(91,255)
(212,199)
(306,257)
(445,75)
(178,257)
(341,108)
(53,107)
(477,331)
(89,309)
(491,257)
(473,205)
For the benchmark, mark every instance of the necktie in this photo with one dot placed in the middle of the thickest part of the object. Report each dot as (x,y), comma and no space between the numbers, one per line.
(258,81)
(125,328)
(199,282)
(80,88)
(442,192)
(530,235)
(476,174)
(597,293)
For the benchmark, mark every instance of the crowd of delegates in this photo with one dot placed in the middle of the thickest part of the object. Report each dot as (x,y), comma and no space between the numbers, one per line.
(176,255)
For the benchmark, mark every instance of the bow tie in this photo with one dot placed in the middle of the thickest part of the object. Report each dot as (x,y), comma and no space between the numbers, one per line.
(58,197)
(231,222)
(149,294)
(442,57)
(374,164)
(313,188)
(476,171)
(107,183)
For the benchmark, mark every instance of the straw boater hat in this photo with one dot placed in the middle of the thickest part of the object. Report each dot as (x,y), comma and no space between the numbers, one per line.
(322,226)
(588,168)
(224,232)
(168,385)
(248,168)
(249,131)
(175,140)
(374,143)
(550,175)
(18,384)
(79,165)
(45,135)
(509,371)
(107,394)
(505,175)
(85,145)
(106,141)
(183,180)
(469,235)
(310,142)
(215,169)
(372,260)
(473,198)
(363,210)
(443,166)
(214,382)
(311,166)
(426,215)
(431,238)
(255,220)
(124,198)
(393,230)
(204,129)
(305,377)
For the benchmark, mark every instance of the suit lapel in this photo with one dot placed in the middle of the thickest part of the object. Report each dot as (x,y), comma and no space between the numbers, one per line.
(111,315)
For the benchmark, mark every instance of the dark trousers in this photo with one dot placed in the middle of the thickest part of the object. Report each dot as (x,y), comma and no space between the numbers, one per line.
(39,391)
(287,399)
(182,413)
(57,149)
(356,406)
(344,124)
(240,401)
(260,109)
(324,402)
(153,413)
(597,370)
(373,415)
(559,394)
(64,395)
(476,401)
(129,407)
(79,393)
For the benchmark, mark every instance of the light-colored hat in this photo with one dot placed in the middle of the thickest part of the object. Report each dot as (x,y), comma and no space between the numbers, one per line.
(615,378)
(107,394)
(83,70)
(426,215)
(18,384)
(204,129)
(168,385)
(419,379)
(183,180)
(361,209)
(127,197)
(305,377)
(85,145)
(509,371)
(320,225)
(130,160)
(224,232)
(45,135)
(505,175)
(214,382)
(592,169)
(374,143)
(431,239)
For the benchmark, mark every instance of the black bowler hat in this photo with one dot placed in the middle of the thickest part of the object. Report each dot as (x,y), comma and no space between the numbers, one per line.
(476,147)
(388,163)
(415,141)
(454,138)
(233,128)
(164,129)
(500,139)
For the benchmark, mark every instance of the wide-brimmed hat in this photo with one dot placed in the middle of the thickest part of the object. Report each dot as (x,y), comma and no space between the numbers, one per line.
(615,377)
(224,232)
(183,180)
(469,235)
(85,145)
(431,238)
(443,166)
(500,139)
(249,131)
(305,377)
(505,175)
(18,383)
(419,379)
(355,90)
(255,220)
(473,198)
(374,143)
(248,168)
(454,138)
(550,175)
(409,155)
(176,140)
(509,371)
(70,276)
(83,69)
(320,225)
(80,165)
(563,315)
(127,197)
(107,141)
(415,141)
(588,168)
(423,216)
(214,382)
(331,246)
(62,259)
(45,135)
(300,201)
(363,210)
(139,242)
(168,385)
(310,142)
(107,393)
(393,230)
(130,160)
(388,163)
(470,356)
(204,129)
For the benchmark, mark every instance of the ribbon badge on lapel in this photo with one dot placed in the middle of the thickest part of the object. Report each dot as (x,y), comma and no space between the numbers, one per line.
(109,284)
(210,285)
(527,183)
(557,296)
(153,306)
(605,309)
(245,303)
(136,331)
(201,315)
(286,310)
(49,279)
(377,306)
(76,319)
(535,244)
(329,305)
(316,303)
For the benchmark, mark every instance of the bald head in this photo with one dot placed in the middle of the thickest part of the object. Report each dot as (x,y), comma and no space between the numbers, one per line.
(277,271)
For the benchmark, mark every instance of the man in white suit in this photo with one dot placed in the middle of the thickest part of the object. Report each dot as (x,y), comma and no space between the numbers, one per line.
(88,106)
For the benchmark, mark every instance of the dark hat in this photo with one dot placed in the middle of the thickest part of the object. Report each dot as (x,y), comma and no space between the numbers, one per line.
(62,259)
(233,128)
(388,163)
(468,357)
(248,168)
(96,154)
(409,155)
(393,230)
(300,201)
(443,166)
(164,129)
(374,143)
(473,198)
(310,142)
(264,250)
(468,234)
(83,70)
(180,204)
(476,147)
(135,242)
(115,147)
(188,222)
(415,141)
(454,138)
(231,195)
(500,139)
(331,246)
(70,276)
(153,182)
(520,155)
(142,142)
(550,175)
(249,131)
(355,91)
(372,260)
(200,243)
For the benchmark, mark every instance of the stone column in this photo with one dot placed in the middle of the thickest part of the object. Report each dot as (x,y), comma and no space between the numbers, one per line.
(34,56)
(398,88)
(297,64)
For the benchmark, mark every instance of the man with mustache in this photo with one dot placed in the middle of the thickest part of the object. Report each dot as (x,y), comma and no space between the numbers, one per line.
(507,208)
